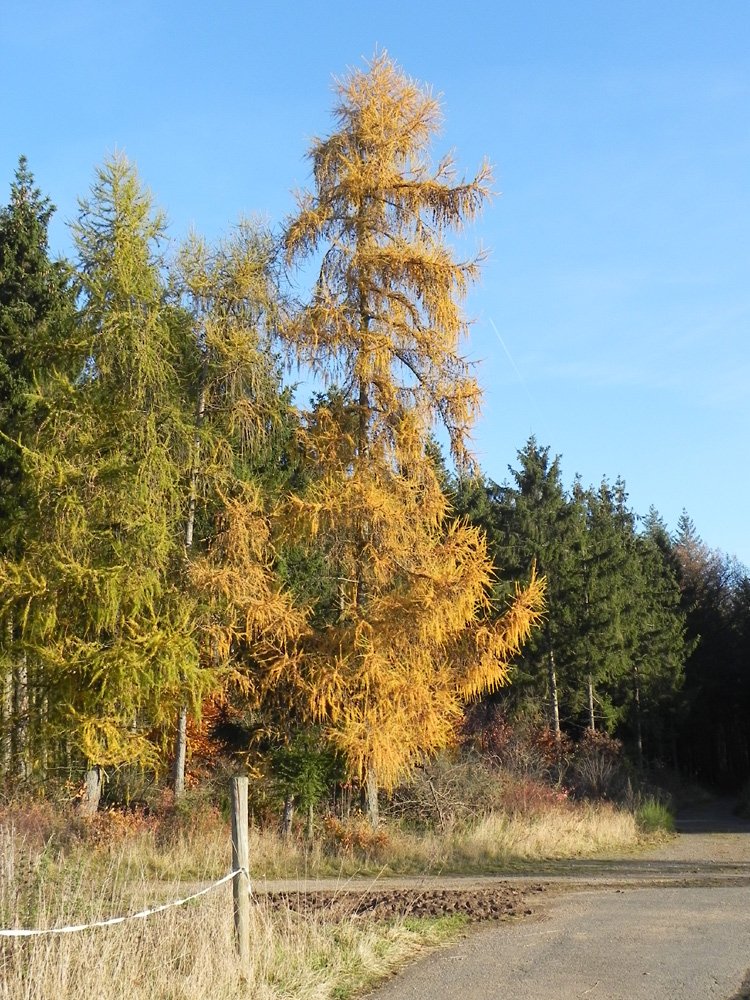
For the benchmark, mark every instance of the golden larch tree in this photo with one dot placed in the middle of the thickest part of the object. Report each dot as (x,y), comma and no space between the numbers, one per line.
(414,636)
(229,296)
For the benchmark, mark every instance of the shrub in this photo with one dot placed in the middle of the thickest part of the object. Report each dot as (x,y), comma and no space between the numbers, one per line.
(444,791)
(526,747)
(357,838)
(462,787)
(652,816)
(597,768)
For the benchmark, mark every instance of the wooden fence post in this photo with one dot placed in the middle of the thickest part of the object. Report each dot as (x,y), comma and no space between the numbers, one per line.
(240,861)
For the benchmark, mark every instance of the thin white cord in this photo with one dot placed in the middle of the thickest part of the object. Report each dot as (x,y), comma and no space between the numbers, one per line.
(23,932)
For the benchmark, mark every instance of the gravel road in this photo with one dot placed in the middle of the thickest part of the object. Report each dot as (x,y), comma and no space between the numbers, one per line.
(677,927)
(631,944)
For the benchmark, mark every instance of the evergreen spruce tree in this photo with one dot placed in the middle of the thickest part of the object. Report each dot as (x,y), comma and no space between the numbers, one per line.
(607,581)
(615,631)
(540,529)
(650,648)
(714,744)
(36,312)
(659,655)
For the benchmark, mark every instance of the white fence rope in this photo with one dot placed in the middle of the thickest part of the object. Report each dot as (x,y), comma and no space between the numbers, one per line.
(23,932)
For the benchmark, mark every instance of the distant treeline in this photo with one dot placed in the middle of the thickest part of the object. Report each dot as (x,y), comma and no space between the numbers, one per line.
(647,632)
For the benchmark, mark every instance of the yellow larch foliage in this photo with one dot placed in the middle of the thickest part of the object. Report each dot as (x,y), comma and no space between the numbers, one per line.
(254,625)
(386,319)
(414,635)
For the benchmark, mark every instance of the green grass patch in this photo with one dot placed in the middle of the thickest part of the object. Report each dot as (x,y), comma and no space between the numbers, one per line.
(437,929)
(653,816)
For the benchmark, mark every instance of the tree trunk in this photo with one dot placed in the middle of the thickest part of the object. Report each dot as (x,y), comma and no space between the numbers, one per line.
(180,753)
(373,810)
(287,816)
(200,412)
(310,821)
(6,706)
(92,792)
(592,719)
(180,747)
(44,748)
(21,713)
(637,717)
(554,706)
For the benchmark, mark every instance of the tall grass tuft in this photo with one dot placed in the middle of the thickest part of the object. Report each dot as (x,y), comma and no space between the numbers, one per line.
(654,816)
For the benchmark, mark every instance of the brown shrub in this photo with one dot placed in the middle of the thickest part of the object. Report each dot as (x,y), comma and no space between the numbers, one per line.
(355,837)
(597,768)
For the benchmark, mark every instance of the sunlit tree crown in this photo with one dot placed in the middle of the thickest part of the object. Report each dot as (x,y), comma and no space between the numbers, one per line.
(414,636)
(386,318)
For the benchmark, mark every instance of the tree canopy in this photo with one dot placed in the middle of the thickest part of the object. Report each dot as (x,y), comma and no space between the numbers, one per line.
(176,533)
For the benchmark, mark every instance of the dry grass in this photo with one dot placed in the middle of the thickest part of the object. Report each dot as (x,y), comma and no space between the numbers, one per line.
(197,847)
(182,954)
(490,844)
(567,832)
(498,840)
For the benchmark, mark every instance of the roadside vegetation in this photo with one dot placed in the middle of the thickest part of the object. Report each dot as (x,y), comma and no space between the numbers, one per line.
(187,952)
(459,814)
(472,811)
(462,813)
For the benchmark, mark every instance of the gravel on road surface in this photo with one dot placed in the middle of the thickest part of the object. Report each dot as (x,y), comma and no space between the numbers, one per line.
(632,944)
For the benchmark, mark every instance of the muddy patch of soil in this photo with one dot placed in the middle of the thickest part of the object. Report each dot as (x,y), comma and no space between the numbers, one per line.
(499,902)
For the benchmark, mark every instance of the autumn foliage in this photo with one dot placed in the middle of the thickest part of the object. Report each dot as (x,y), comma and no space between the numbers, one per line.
(169,484)
(415,635)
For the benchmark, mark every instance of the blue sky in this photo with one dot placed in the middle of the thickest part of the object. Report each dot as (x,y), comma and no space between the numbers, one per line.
(620,136)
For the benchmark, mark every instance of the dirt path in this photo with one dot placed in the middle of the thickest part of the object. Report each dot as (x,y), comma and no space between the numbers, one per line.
(709,834)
